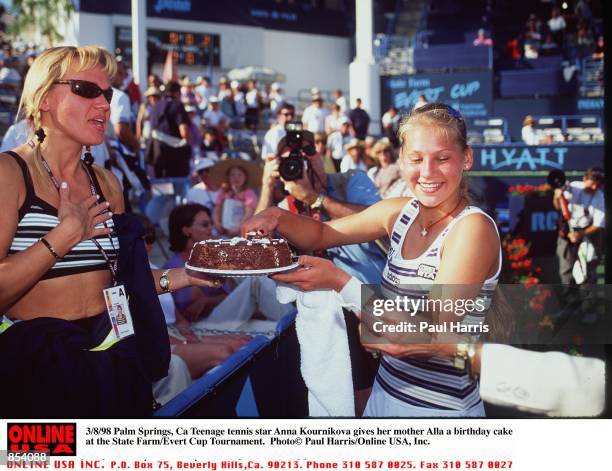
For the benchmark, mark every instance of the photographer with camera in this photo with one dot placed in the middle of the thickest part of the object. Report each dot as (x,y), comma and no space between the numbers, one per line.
(312,192)
(583,219)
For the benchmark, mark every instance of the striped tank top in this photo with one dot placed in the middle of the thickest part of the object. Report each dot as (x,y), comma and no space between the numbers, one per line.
(428,383)
(37,218)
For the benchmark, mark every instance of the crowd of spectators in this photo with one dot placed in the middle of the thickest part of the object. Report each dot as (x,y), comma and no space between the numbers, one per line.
(564,29)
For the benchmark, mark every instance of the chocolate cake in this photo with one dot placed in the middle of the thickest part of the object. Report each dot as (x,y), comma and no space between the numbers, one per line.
(240,254)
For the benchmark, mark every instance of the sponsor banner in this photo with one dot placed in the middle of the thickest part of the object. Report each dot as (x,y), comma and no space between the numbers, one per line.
(536,218)
(590,104)
(469,92)
(335,444)
(520,157)
(287,16)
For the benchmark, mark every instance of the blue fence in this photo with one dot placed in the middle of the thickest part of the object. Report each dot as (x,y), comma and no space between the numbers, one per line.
(534,82)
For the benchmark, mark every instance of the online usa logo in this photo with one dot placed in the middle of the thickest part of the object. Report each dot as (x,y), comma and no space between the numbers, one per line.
(56,439)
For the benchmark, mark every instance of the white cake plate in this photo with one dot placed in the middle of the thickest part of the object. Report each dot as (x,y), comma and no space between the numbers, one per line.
(203,272)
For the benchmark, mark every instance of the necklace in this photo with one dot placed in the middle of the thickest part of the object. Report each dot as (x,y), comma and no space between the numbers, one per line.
(425,230)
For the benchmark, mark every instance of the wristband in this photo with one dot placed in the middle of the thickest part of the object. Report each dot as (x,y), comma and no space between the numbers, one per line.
(46,243)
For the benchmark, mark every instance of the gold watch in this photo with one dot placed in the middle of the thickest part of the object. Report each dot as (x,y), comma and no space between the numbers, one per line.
(318,203)
(461,359)
(164,282)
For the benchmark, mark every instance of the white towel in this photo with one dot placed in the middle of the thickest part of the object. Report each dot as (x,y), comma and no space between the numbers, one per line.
(324,351)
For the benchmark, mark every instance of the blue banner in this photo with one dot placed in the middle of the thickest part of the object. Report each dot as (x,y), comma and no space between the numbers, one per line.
(269,14)
(469,92)
(520,157)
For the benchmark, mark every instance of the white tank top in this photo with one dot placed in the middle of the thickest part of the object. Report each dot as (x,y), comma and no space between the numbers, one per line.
(433,383)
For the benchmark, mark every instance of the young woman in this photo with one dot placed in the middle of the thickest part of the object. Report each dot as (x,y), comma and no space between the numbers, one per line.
(240,177)
(60,250)
(438,230)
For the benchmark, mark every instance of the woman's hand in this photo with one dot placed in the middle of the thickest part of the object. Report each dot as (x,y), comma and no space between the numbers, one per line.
(315,273)
(201,280)
(82,217)
(263,223)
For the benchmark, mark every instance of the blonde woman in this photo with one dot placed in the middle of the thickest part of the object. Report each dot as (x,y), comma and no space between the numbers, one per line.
(63,242)
(437,229)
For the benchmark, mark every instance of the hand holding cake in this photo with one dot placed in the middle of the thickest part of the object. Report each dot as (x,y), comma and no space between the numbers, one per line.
(315,273)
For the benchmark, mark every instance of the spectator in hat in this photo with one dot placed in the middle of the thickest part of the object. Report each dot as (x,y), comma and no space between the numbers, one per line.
(354,158)
(360,120)
(386,172)
(214,117)
(320,144)
(236,201)
(338,139)
(368,151)
(315,114)
(143,123)
(188,94)
(204,192)
(275,98)
(529,133)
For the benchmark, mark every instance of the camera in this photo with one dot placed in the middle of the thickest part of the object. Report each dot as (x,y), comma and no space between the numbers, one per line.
(556,179)
(291,168)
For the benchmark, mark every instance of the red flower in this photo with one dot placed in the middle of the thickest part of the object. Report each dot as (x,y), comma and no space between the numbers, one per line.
(511,189)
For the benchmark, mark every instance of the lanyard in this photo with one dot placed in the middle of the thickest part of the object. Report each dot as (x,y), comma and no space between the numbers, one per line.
(112,266)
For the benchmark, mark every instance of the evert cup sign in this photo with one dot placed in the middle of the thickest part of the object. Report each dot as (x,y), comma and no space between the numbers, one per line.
(55,439)
(469,92)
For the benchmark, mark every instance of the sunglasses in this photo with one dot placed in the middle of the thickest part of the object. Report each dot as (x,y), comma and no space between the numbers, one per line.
(86,89)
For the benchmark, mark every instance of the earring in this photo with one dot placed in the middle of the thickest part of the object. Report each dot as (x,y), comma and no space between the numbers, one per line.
(40,137)
(88,159)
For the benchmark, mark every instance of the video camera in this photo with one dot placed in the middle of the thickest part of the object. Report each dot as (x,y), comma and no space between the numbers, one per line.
(291,168)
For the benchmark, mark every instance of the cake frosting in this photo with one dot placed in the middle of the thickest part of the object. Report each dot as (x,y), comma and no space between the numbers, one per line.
(240,254)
